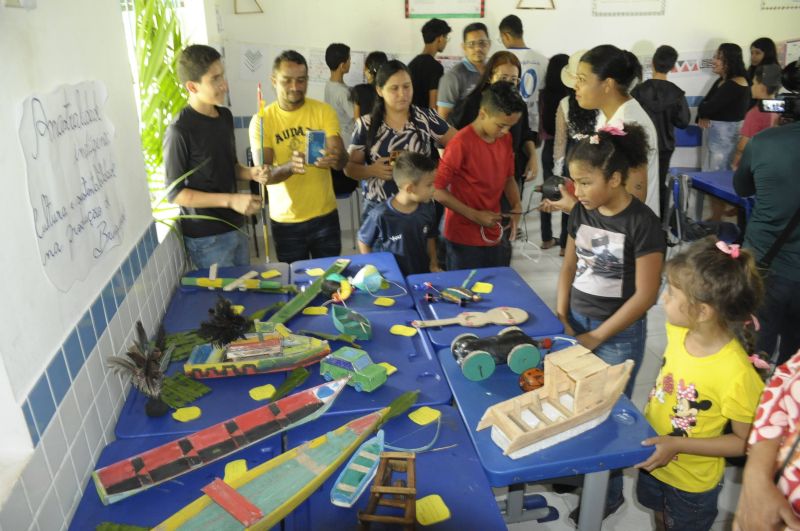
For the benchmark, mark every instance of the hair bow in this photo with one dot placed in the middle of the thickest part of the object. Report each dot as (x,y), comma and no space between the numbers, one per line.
(753,321)
(613,129)
(758,362)
(731,249)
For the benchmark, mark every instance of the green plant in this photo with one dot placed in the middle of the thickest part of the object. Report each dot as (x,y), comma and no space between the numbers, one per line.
(157,46)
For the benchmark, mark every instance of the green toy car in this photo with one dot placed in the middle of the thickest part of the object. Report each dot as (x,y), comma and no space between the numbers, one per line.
(356,363)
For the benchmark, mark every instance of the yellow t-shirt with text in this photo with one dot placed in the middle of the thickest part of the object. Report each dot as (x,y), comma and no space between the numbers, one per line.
(695,397)
(302,196)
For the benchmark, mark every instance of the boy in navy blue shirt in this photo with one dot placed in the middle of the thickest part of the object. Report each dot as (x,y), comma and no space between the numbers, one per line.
(405,224)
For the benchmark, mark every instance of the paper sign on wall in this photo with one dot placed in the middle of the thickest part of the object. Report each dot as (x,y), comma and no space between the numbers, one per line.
(73,179)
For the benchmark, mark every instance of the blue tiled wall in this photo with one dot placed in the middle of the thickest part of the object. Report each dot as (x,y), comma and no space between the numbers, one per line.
(68,360)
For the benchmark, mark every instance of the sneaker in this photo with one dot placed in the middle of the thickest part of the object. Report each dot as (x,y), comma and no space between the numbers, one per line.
(549,244)
(609,510)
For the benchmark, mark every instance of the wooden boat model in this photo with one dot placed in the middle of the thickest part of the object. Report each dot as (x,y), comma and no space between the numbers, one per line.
(351,322)
(578,393)
(264,495)
(168,461)
(273,348)
(359,471)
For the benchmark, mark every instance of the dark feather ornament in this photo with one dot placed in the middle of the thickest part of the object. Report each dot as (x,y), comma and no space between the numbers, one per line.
(224,325)
(144,363)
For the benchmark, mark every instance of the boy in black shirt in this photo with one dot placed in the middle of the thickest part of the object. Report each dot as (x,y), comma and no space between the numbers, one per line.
(666,105)
(405,224)
(425,69)
(200,140)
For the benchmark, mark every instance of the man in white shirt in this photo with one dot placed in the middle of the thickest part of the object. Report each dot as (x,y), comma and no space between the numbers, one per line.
(533,66)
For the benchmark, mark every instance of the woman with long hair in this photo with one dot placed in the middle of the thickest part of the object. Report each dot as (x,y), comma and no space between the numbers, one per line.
(721,113)
(394,125)
(605,76)
(762,52)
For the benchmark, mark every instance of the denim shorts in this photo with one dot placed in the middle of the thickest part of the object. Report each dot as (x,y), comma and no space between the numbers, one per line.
(226,249)
(721,143)
(626,345)
(683,511)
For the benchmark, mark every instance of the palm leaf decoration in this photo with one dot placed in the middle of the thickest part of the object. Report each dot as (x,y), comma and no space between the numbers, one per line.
(144,362)
(224,325)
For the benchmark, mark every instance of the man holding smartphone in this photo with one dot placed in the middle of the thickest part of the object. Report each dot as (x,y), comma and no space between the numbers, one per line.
(305,222)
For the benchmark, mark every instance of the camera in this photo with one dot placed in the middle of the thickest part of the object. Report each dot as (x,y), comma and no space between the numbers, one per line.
(786,104)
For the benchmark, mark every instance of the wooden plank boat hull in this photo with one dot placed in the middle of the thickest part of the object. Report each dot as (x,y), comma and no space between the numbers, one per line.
(279,485)
(208,361)
(579,391)
(358,473)
(168,461)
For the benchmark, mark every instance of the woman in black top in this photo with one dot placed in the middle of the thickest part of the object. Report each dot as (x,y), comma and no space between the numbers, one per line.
(364,94)
(721,113)
(762,52)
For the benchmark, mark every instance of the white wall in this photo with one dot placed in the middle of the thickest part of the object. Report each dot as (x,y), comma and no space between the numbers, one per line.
(58,43)
(687,25)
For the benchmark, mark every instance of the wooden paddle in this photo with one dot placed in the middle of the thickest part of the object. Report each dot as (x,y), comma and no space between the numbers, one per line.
(503,315)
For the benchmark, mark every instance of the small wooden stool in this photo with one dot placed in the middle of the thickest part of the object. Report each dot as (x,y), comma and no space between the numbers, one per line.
(393,492)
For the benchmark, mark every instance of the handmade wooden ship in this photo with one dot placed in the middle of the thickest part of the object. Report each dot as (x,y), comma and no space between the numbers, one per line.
(351,322)
(273,348)
(264,495)
(168,461)
(359,471)
(578,393)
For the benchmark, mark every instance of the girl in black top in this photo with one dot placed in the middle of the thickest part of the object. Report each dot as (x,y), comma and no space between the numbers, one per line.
(364,94)
(721,113)
(762,52)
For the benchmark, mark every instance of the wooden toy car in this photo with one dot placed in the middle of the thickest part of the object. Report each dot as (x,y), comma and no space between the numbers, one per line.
(479,356)
(356,363)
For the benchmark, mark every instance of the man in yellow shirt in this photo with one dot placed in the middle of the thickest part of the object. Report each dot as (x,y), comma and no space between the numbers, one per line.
(305,222)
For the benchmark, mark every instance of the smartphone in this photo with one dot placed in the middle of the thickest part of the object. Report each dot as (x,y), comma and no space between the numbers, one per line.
(772,105)
(315,144)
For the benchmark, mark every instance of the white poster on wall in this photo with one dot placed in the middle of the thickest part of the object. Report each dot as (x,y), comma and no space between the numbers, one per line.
(73,179)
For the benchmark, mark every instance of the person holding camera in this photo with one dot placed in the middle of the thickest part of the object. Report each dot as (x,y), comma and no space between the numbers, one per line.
(768,169)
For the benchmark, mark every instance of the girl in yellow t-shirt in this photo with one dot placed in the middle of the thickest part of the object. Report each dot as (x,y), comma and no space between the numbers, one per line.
(706,380)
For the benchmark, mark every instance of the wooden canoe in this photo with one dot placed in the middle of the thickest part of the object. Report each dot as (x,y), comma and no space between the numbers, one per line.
(168,461)
(357,474)
(578,393)
(264,495)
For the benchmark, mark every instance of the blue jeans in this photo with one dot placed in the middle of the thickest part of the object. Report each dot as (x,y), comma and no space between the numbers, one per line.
(225,250)
(316,238)
(722,139)
(779,316)
(683,511)
(626,345)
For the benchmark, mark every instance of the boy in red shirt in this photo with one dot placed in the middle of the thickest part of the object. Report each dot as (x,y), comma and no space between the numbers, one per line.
(476,170)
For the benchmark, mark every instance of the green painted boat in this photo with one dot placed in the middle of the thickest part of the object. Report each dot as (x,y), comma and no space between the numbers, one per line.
(359,471)
(351,322)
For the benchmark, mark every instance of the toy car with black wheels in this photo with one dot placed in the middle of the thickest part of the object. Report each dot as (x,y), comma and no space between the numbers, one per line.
(478,357)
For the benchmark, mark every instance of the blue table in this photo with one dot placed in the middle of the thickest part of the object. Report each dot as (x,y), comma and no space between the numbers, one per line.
(360,301)
(509,290)
(190,304)
(453,473)
(720,184)
(414,358)
(156,504)
(229,397)
(616,443)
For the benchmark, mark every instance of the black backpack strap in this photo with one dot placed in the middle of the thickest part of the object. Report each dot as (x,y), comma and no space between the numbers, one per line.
(766,261)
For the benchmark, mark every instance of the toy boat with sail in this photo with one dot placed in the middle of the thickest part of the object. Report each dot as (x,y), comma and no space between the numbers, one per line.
(168,461)
(356,476)
(272,348)
(351,322)
(578,393)
(264,495)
